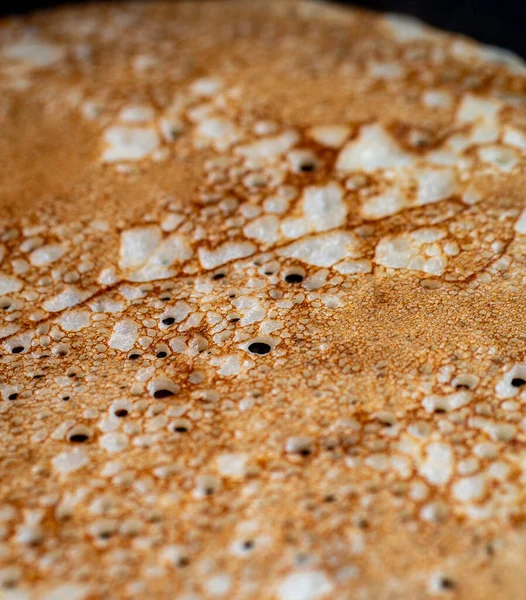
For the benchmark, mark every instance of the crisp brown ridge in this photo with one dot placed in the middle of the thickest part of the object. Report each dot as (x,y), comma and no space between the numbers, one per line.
(262,301)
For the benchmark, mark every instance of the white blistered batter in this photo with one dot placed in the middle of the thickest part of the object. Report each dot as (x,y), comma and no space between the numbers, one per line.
(264,327)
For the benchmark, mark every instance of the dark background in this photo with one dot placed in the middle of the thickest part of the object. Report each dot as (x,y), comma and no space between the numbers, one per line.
(497,22)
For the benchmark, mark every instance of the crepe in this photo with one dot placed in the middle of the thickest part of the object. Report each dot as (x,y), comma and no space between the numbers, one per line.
(263,303)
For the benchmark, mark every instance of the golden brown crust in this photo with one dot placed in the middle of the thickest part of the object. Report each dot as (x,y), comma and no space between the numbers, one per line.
(344,190)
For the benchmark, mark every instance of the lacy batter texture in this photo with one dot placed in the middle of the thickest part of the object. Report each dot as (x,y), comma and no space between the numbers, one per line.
(262,306)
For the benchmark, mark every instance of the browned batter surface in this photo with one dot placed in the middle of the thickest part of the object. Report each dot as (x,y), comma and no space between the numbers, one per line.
(262,306)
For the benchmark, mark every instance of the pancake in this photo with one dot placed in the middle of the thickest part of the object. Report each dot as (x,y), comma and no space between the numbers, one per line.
(262,290)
